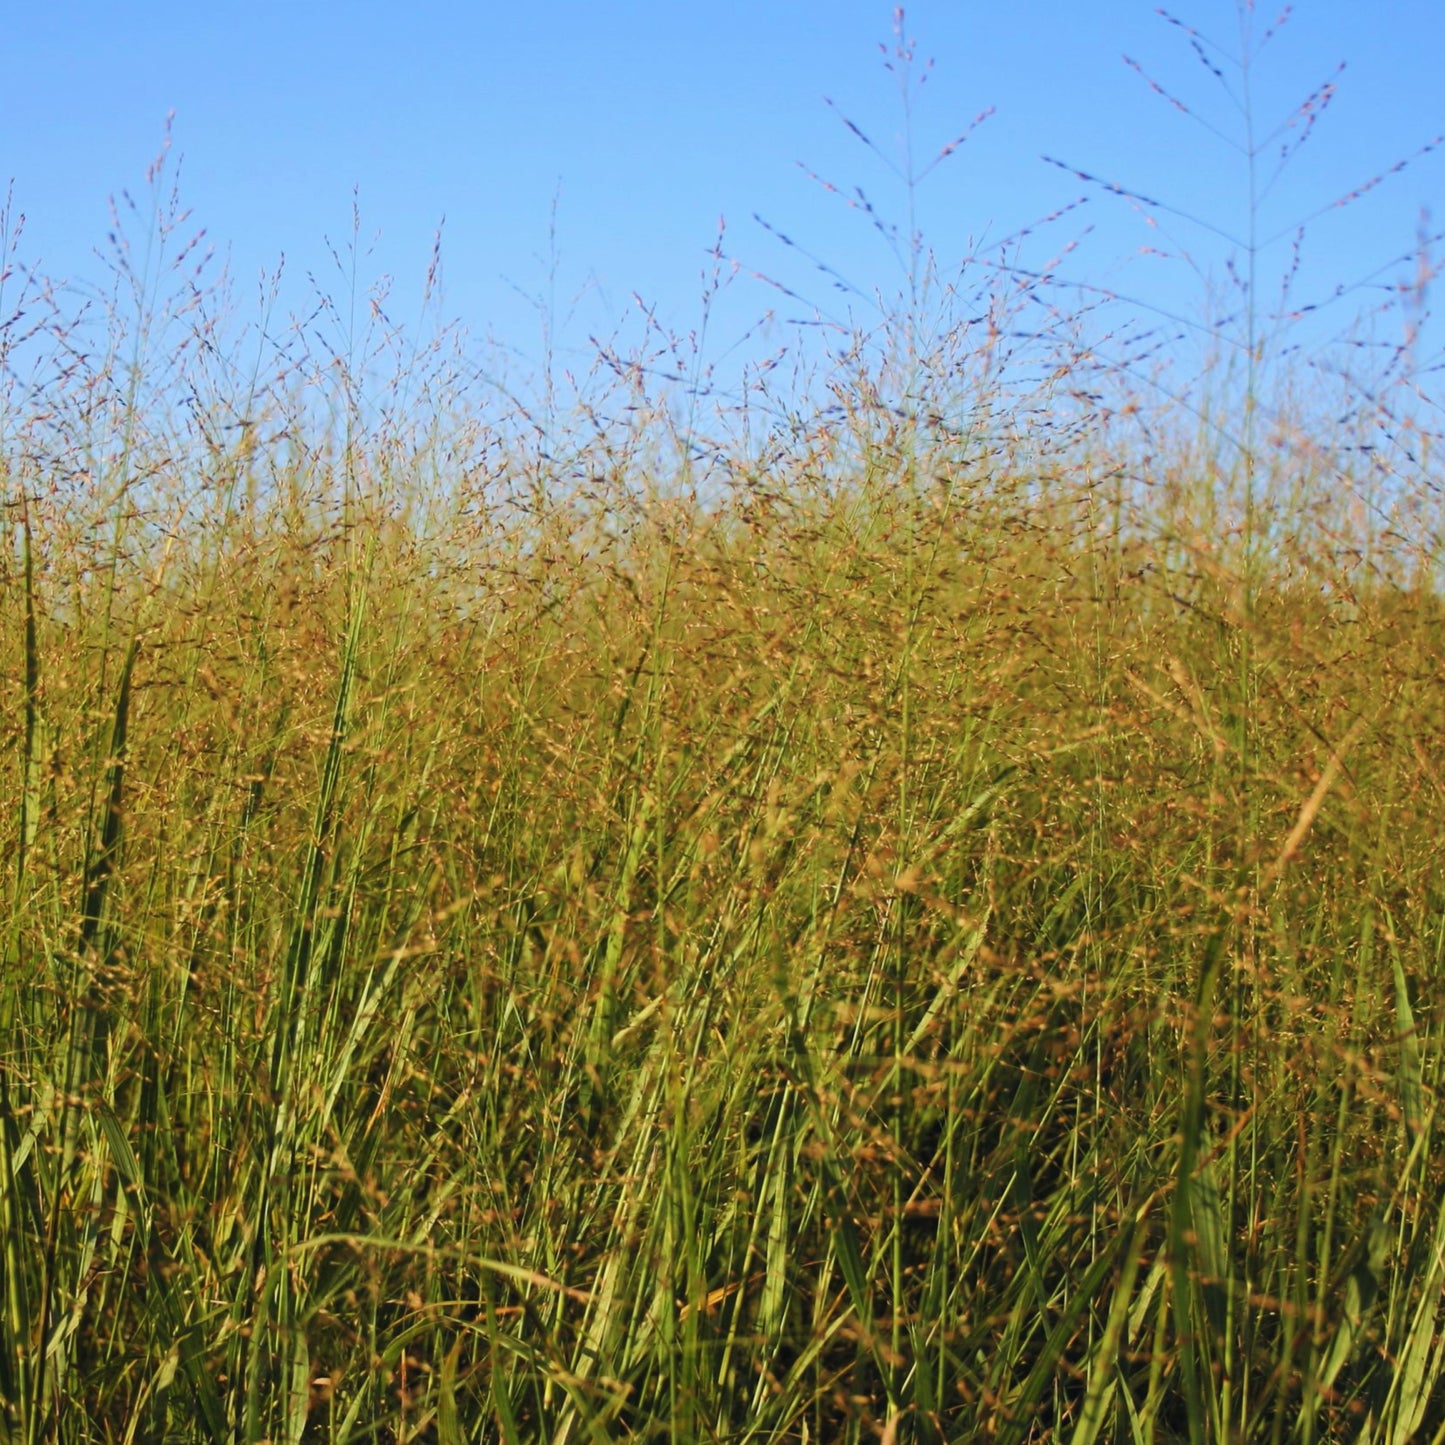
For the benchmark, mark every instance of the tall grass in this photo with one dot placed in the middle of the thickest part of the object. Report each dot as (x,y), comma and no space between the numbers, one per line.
(516,941)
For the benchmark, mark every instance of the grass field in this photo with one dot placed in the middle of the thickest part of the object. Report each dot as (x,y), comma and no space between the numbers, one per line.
(891,933)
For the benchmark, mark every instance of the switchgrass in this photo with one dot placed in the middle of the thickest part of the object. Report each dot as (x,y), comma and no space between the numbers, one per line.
(778,971)
(907,936)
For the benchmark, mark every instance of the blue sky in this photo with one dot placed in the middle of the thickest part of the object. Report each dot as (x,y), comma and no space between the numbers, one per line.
(646,121)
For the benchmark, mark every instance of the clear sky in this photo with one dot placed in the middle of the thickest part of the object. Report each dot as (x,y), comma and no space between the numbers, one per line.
(647,120)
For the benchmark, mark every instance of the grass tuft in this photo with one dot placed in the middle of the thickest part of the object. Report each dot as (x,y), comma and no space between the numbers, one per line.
(908,923)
